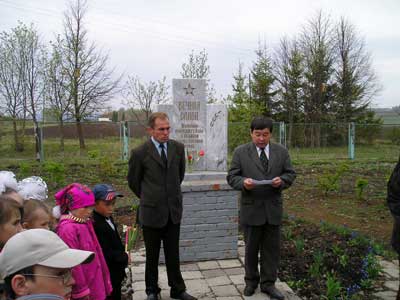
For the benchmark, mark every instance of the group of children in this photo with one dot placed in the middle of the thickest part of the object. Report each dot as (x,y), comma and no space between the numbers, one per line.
(84,222)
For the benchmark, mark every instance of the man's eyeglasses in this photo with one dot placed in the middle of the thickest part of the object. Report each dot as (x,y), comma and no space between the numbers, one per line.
(65,277)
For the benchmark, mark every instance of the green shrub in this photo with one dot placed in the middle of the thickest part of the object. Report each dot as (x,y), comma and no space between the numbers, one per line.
(360,186)
(329,182)
(368,128)
(239,133)
(394,136)
(317,265)
(106,168)
(366,283)
(333,287)
(299,244)
(378,248)
(296,284)
(287,233)
(25,170)
(55,174)
(93,154)
(337,251)
(343,260)
(358,240)
(372,266)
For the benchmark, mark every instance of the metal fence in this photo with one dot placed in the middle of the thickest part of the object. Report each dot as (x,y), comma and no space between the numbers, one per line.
(60,143)
(113,141)
(343,141)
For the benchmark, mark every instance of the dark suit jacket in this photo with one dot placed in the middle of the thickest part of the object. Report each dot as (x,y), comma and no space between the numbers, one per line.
(158,186)
(113,249)
(263,203)
(393,201)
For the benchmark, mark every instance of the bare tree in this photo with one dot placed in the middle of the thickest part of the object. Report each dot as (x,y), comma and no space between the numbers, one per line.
(355,80)
(197,67)
(142,97)
(32,62)
(58,98)
(91,83)
(14,58)
(12,91)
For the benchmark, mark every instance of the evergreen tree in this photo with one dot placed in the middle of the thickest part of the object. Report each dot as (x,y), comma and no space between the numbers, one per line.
(355,80)
(317,46)
(114,116)
(239,110)
(262,84)
(368,127)
(289,74)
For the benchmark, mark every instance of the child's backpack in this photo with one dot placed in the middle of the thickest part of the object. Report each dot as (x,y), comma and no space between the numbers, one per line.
(393,191)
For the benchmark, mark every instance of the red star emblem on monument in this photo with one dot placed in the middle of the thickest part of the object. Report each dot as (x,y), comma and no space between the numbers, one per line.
(189,89)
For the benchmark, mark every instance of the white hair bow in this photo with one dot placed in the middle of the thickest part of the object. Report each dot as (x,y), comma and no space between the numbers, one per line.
(7,180)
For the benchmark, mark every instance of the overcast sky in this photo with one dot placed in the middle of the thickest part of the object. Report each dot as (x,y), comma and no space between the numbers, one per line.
(152,38)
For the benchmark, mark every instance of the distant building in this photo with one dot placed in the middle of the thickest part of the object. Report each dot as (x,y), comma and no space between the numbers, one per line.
(103,120)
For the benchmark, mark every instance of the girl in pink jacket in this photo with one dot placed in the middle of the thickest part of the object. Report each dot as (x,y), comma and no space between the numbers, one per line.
(92,281)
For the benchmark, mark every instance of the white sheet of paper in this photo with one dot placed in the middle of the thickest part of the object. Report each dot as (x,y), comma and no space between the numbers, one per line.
(262,182)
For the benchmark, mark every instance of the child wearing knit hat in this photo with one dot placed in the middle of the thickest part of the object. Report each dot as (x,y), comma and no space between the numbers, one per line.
(76,202)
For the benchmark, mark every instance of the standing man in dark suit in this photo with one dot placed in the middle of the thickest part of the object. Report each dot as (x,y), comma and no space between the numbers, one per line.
(393,201)
(261,204)
(156,171)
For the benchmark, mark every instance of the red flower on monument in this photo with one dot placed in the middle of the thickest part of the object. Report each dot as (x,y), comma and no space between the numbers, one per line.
(194,157)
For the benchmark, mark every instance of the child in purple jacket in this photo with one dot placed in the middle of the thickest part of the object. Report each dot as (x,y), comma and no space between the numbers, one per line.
(76,203)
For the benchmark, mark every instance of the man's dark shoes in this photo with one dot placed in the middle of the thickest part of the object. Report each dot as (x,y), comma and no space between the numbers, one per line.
(153,296)
(248,291)
(184,296)
(273,292)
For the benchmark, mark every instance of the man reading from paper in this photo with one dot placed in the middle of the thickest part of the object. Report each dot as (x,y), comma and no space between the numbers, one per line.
(261,170)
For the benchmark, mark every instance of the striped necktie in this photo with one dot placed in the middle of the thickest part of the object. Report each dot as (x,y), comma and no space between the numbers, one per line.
(163,156)
(264,159)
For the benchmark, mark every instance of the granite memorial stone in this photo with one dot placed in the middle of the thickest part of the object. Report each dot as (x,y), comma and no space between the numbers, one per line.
(201,127)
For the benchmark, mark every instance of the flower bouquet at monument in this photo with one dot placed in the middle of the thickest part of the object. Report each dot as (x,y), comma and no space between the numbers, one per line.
(193,157)
(131,235)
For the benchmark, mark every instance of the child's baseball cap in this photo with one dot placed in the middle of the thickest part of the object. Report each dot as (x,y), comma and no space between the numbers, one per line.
(39,247)
(105,192)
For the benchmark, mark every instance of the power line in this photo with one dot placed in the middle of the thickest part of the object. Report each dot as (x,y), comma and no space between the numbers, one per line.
(175,39)
(39,11)
(189,31)
(132,27)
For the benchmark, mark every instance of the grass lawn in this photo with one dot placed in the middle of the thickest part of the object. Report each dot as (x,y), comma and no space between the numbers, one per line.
(310,200)
(324,193)
(101,162)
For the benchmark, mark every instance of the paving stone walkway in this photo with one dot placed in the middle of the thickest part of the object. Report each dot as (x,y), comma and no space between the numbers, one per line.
(216,279)
(223,279)
(391,272)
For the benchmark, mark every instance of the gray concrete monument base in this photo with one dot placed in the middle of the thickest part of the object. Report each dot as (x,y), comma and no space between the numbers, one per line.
(209,228)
